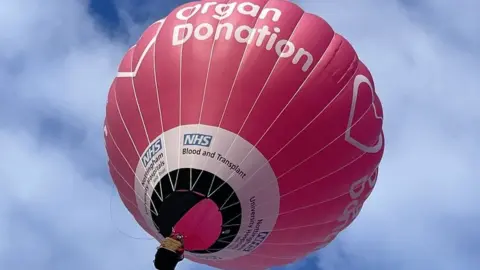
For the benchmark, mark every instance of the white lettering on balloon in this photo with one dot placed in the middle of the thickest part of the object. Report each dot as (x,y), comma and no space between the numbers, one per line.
(358,187)
(259,36)
(352,210)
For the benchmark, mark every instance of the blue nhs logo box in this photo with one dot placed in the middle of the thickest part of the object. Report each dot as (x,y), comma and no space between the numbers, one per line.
(197,139)
(151,152)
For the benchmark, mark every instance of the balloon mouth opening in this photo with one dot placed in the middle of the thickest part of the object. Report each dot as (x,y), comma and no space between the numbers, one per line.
(195,212)
(200,226)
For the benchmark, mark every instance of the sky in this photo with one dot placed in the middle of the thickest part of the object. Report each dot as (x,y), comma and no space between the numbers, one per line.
(58,209)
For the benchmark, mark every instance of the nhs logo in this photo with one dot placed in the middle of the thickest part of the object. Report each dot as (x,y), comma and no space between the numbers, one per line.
(256,242)
(151,152)
(197,139)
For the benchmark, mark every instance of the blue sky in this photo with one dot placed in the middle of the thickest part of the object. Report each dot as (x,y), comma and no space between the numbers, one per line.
(57,210)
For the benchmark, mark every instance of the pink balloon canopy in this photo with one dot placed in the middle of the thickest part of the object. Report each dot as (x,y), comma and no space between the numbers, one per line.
(250,127)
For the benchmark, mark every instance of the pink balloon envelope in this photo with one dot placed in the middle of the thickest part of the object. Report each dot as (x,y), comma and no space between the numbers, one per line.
(250,127)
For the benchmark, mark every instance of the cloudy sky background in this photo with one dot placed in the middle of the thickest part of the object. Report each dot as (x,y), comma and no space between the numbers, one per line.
(58,209)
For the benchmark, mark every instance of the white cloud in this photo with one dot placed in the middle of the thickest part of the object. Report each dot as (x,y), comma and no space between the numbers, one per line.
(56,66)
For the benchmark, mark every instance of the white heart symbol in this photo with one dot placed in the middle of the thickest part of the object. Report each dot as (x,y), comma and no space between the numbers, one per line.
(359,79)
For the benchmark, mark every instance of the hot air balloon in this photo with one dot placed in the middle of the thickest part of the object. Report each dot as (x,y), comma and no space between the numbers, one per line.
(250,127)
